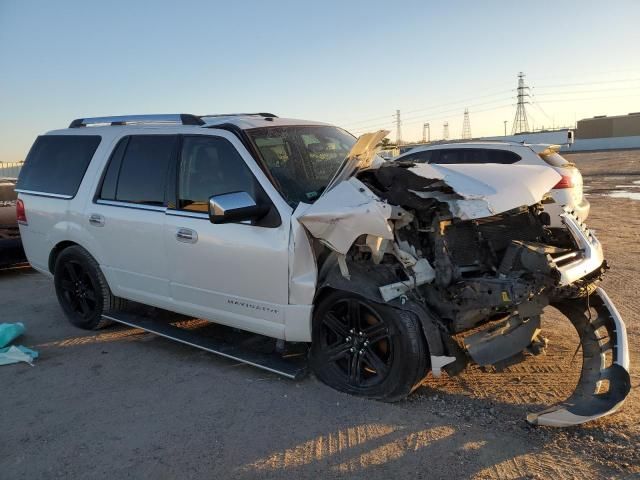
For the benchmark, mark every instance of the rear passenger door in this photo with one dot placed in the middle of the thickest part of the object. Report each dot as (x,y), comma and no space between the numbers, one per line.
(230,273)
(127,217)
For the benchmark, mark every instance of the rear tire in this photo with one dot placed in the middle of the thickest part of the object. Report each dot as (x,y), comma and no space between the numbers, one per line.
(82,290)
(367,349)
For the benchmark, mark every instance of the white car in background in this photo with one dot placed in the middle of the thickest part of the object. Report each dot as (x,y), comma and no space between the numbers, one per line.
(566,193)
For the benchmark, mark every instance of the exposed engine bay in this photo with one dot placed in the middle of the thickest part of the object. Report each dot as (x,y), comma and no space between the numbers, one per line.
(470,251)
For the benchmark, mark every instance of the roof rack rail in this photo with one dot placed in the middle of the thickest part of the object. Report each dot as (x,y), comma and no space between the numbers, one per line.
(261,114)
(181,118)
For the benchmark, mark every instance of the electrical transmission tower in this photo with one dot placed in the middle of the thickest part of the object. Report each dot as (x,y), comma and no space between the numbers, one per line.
(520,123)
(466,125)
(445,131)
(398,128)
(425,129)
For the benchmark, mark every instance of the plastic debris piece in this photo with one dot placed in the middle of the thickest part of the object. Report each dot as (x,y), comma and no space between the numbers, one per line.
(9,332)
(15,354)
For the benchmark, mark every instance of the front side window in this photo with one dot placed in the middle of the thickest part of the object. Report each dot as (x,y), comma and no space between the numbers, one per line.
(210,166)
(137,171)
(57,163)
(302,159)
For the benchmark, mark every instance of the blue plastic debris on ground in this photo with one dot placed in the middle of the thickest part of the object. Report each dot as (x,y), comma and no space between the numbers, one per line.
(9,332)
(14,353)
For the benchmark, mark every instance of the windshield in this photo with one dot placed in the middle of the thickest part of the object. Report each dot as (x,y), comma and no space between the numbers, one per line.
(302,159)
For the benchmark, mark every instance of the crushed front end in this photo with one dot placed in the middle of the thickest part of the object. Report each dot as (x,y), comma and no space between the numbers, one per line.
(473,254)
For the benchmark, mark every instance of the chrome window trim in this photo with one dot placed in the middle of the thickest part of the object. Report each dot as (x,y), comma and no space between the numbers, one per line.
(138,206)
(185,213)
(44,194)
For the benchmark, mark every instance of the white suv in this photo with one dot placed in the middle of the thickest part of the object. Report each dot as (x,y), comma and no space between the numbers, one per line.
(566,193)
(296,231)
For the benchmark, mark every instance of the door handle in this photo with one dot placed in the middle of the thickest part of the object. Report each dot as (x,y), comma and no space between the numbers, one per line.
(96,220)
(187,235)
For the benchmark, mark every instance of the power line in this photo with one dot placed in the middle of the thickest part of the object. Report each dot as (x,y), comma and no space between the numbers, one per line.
(431,107)
(587,99)
(588,83)
(577,92)
(373,125)
(432,119)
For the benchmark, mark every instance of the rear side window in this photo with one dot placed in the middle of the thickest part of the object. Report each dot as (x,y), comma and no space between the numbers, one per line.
(137,170)
(450,156)
(57,163)
(475,156)
(418,157)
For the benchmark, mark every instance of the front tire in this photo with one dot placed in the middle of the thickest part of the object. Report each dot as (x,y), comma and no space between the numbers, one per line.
(82,290)
(367,349)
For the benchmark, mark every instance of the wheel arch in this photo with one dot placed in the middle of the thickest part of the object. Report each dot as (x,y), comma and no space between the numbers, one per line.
(365,281)
(62,245)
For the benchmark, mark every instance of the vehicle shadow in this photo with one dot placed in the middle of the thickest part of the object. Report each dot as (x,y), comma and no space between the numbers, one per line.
(443,445)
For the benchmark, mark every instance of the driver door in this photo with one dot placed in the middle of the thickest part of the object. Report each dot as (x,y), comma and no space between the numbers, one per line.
(230,273)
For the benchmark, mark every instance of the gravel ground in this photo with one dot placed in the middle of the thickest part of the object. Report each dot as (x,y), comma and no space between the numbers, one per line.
(124,404)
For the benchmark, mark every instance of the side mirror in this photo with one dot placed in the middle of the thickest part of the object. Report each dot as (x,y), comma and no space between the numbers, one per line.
(234,208)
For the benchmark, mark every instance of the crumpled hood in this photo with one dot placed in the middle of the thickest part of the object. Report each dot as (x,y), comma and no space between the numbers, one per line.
(351,209)
(488,189)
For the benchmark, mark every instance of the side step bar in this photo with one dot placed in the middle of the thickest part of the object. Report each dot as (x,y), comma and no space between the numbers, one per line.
(274,363)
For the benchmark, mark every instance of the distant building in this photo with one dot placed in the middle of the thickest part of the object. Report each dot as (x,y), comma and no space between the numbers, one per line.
(606,127)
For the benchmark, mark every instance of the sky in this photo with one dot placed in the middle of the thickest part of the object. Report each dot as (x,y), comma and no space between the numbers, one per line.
(350,63)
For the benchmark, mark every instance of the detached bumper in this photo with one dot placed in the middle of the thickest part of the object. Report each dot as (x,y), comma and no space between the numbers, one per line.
(586,259)
(604,382)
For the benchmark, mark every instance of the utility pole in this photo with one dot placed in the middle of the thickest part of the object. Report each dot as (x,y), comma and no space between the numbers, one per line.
(398,128)
(445,131)
(520,123)
(505,128)
(425,129)
(466,125)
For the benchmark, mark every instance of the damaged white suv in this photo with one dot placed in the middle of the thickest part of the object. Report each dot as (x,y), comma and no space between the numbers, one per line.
(293,230)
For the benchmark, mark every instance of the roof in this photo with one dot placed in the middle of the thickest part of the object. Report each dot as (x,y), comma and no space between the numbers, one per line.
(243,121)
(610,117)
(484,144)
(246,122)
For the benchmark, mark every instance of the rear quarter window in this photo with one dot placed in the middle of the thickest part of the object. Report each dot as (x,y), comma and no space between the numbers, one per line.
(56,163)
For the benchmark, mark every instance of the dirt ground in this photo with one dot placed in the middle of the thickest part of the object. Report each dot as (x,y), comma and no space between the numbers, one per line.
(124,404)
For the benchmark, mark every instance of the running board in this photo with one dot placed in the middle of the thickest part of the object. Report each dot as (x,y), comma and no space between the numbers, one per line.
(271,362)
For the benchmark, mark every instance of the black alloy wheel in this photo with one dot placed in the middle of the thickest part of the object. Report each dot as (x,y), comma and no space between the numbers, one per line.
(82,290)
(367,348)
(356,340)
(78,290)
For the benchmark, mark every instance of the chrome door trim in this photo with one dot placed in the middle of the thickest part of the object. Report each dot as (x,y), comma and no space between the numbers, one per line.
(44,194)
(138,206)
(185,213)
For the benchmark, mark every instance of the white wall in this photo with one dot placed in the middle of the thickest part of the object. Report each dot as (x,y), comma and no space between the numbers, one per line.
(10,169)
(609,143)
